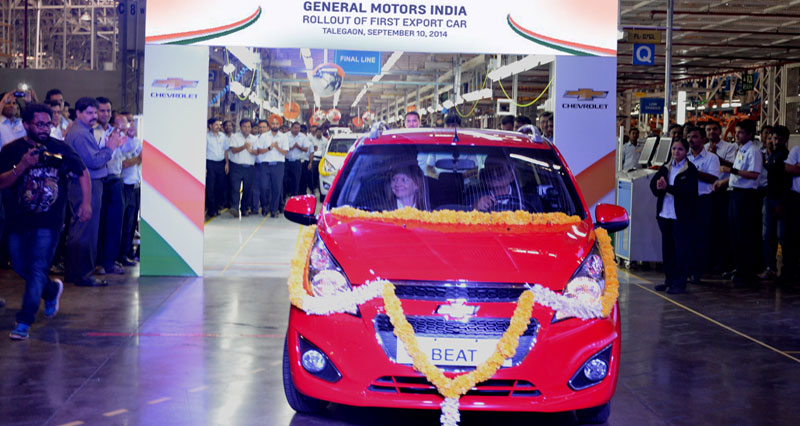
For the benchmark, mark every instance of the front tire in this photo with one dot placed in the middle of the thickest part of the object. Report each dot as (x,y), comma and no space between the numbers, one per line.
(595,415)
(299,402)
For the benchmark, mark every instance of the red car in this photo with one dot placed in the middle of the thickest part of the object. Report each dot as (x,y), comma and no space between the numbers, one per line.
(459,284)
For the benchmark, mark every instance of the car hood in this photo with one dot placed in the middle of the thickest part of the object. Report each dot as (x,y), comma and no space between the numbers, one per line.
(370,249)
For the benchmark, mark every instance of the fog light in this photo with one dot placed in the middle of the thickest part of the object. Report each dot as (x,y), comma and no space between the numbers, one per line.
(313,361)
(595,369)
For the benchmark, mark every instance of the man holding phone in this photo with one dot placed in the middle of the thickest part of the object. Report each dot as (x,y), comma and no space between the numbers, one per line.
(11,127)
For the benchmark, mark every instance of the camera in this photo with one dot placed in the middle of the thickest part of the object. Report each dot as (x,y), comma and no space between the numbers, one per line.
(48,158)
(19,94)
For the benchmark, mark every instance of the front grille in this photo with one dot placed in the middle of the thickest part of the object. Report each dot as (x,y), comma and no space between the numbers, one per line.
(421,386)
(440,327)
(472,292)
(474,328)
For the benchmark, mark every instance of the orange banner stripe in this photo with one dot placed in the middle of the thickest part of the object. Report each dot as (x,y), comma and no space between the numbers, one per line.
(598,179)
(182,189)
(164,37)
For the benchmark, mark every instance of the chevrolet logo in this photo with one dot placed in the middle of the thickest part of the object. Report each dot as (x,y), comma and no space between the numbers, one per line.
(175,83)
(585,94)
(457,310)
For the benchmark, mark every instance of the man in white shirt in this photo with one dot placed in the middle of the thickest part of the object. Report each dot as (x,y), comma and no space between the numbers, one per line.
(258,173)
(11,127)
(721,256)
(744,209)
(299,147)
(55,95)
(318,142)
(131,191)
(272,149)
(242,159)
(216,152)
(791,253)
(631,151)
(707,173)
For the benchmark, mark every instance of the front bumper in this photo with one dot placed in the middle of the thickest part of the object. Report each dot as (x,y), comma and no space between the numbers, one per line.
(539,382)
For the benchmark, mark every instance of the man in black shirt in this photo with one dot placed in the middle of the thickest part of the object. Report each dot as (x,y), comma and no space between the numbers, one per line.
(33,176)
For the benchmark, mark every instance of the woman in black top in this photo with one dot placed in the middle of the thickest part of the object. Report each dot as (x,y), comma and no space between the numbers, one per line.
(675,185)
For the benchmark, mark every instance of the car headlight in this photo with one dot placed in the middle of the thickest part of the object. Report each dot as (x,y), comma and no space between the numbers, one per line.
(587,283)
(327,168)
(325,276)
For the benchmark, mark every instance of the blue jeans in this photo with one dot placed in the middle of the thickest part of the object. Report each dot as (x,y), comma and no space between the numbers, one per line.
(31,254)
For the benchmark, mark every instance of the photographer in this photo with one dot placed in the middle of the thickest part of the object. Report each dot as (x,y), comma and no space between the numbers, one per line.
(34,171)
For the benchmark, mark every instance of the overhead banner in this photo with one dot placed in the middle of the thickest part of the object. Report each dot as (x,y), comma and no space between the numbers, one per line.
(584,124)
(173,169)
(564,27)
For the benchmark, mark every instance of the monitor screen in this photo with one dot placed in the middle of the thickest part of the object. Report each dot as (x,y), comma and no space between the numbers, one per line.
(647,151)
(663,152)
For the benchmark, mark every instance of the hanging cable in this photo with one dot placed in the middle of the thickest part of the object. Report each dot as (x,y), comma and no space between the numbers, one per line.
(531,102)
(474,104)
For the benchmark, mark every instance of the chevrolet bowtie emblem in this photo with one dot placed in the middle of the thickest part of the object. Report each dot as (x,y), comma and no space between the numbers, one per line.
(174,83)
(585,94)
(457,310)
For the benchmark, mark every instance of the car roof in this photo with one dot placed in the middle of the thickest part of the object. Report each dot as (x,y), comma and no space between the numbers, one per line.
(466,136)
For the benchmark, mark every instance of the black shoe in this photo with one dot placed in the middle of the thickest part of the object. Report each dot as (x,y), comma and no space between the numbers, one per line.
(91,282)
(275,214)
(695,279)
(676,289)
(729,275)
(662,287)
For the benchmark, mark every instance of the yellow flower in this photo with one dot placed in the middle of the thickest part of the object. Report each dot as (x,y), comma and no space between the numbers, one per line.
(454,388)
(452,217)
(611,293)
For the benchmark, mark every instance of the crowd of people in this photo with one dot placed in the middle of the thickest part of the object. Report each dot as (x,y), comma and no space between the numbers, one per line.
(254,170)
(70,195)
(724,208)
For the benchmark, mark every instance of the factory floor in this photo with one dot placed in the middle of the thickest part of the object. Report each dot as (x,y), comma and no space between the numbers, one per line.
(208,351)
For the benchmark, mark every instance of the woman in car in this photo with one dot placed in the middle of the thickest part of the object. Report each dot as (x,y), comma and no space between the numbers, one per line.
(675,185)
(406,188)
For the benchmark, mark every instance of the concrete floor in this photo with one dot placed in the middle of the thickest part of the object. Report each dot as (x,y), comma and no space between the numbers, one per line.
(207,351)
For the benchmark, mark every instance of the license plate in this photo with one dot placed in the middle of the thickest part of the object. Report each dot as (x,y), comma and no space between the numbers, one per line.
(451,351)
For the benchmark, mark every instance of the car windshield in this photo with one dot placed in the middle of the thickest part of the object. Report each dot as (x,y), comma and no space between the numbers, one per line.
(341,145)
(484,178)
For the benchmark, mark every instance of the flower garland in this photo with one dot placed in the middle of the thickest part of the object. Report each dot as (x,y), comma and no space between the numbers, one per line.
(611,293)
(451,389)
(453,217)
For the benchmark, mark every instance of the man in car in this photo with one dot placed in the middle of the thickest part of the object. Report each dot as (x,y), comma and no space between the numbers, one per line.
(498,192)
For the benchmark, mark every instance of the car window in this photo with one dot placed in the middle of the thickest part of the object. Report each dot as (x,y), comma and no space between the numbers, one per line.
(341,145)
(427,177)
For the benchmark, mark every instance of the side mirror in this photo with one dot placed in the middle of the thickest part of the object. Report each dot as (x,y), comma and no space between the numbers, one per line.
(611,218)
(301,209)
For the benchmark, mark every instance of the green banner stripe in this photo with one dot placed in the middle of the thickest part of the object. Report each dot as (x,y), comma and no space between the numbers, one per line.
(216,35)
(548,44)
(158,258)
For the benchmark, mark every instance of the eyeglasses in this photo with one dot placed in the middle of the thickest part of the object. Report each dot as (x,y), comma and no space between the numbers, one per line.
(42,124)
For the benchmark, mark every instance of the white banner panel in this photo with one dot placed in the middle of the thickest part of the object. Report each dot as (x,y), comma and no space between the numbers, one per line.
(571,27)
(173,195)
(585,120)
(175,101)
